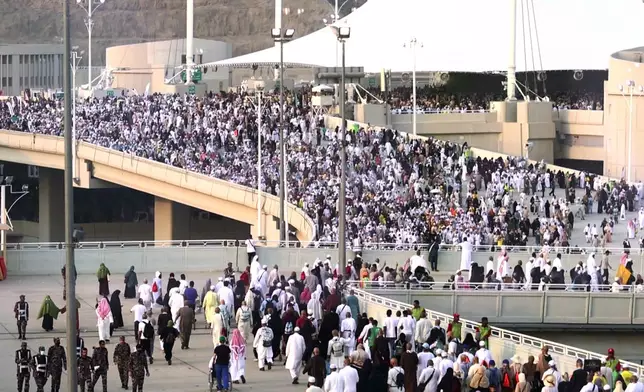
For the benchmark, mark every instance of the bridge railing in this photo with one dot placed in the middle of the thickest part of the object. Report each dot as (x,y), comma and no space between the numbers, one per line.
(503,343)
(494,287)
(334,245)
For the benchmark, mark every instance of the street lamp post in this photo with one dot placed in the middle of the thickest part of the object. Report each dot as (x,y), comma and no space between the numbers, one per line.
(630,85)
(4,211)
(412,44)
(89,23)
(281,36)
(75,61)
(342,33)
(72,332)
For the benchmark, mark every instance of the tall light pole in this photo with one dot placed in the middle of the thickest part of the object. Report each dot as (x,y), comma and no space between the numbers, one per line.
(342,33)
(4,211)
(512,63)
(92,5)
(630,85)
(190,15)
(281,36)
(74,61)
(72,377)
(412,44)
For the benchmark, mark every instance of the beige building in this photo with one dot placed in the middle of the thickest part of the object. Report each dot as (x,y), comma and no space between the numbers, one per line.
(535,130)
(136,65)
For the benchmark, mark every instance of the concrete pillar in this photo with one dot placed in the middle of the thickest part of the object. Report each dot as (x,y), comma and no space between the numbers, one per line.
(171,220)
(51,206)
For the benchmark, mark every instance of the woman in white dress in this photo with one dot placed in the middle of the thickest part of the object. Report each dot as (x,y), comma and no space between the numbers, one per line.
(314,307)
(104,316)
(238,358)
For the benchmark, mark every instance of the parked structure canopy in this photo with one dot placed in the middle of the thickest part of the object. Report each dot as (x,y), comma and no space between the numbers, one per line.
(468,36)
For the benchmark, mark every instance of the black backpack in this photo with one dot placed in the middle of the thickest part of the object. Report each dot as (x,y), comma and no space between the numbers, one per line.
(400,380)
(148,331)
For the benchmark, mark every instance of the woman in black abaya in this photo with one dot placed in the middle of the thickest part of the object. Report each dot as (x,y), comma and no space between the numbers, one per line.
(330,321)
(115,306)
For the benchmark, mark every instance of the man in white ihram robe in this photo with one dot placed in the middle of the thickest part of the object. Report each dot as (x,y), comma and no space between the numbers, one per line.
(333,382)
(226,293)
(466,256)
(294,352)
(348,328)
(261,281)
(262,344)
(175,302)
(255,268)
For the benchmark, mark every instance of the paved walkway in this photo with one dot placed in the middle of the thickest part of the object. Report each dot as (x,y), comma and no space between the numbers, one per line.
(189,367)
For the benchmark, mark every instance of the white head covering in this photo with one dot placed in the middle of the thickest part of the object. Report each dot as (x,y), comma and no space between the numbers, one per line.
(157,274)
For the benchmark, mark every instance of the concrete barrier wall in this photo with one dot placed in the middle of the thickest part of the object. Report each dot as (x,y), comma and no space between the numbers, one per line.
(38,261)
(533,307)
(503,343)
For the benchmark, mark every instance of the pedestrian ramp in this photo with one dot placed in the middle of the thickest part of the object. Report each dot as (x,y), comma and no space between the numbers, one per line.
(503,343)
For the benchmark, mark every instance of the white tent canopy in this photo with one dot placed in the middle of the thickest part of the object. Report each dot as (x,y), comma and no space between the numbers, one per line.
(468,36)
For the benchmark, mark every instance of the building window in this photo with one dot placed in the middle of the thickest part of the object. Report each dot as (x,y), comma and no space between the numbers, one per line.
(21,82)
(10,82)
(3,81)
(20,59)
(10,59)
(4,59)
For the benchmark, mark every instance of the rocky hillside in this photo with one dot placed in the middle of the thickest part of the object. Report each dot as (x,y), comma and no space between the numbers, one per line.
(244,23)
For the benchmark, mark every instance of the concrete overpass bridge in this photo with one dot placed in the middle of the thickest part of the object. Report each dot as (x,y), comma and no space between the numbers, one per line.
(99,167)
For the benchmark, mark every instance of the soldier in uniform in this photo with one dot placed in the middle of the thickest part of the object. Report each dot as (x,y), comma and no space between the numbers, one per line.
(80,345)
(138,368)
(57,362)
(40,366)
(122,354)
(85,371)
(101,362)
(23,361)
(21,310)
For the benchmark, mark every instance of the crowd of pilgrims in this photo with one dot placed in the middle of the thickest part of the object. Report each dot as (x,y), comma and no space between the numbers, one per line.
(399,190)
(311,323)
(431,100)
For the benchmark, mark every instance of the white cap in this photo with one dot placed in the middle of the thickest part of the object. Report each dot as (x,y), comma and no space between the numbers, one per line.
(291,281)
(265,266)
(443,354)
(212,287)
(311,379)
(297,329)
(279,285)
(551,363)
(220,279)
(333,366)
(328,256)
(482,343)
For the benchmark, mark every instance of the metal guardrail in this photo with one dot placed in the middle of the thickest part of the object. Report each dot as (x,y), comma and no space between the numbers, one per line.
(514,337)
(317,244)
(487,287)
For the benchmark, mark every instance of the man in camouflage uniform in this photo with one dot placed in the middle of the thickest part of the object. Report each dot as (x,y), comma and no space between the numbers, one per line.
(40,365)
(122,354)
(57,362)
(138,368)
(85,371)
(23,360)
(101,362)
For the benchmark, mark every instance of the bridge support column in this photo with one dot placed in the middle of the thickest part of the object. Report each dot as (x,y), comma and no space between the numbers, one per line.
(171,220)
(51,206)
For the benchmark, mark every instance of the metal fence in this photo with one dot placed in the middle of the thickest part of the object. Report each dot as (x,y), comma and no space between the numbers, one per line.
(515,339)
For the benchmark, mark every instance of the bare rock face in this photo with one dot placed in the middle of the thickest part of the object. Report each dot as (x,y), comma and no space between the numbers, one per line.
(246,24)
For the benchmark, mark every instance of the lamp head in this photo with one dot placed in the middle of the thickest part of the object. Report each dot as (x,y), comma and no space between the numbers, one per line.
(630,83)
(8,180)
(289,33)
(276,33)
(25,188)
(79,1)
(324,20)
(75,47)
(102,1)
(621,88)
(343,32)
